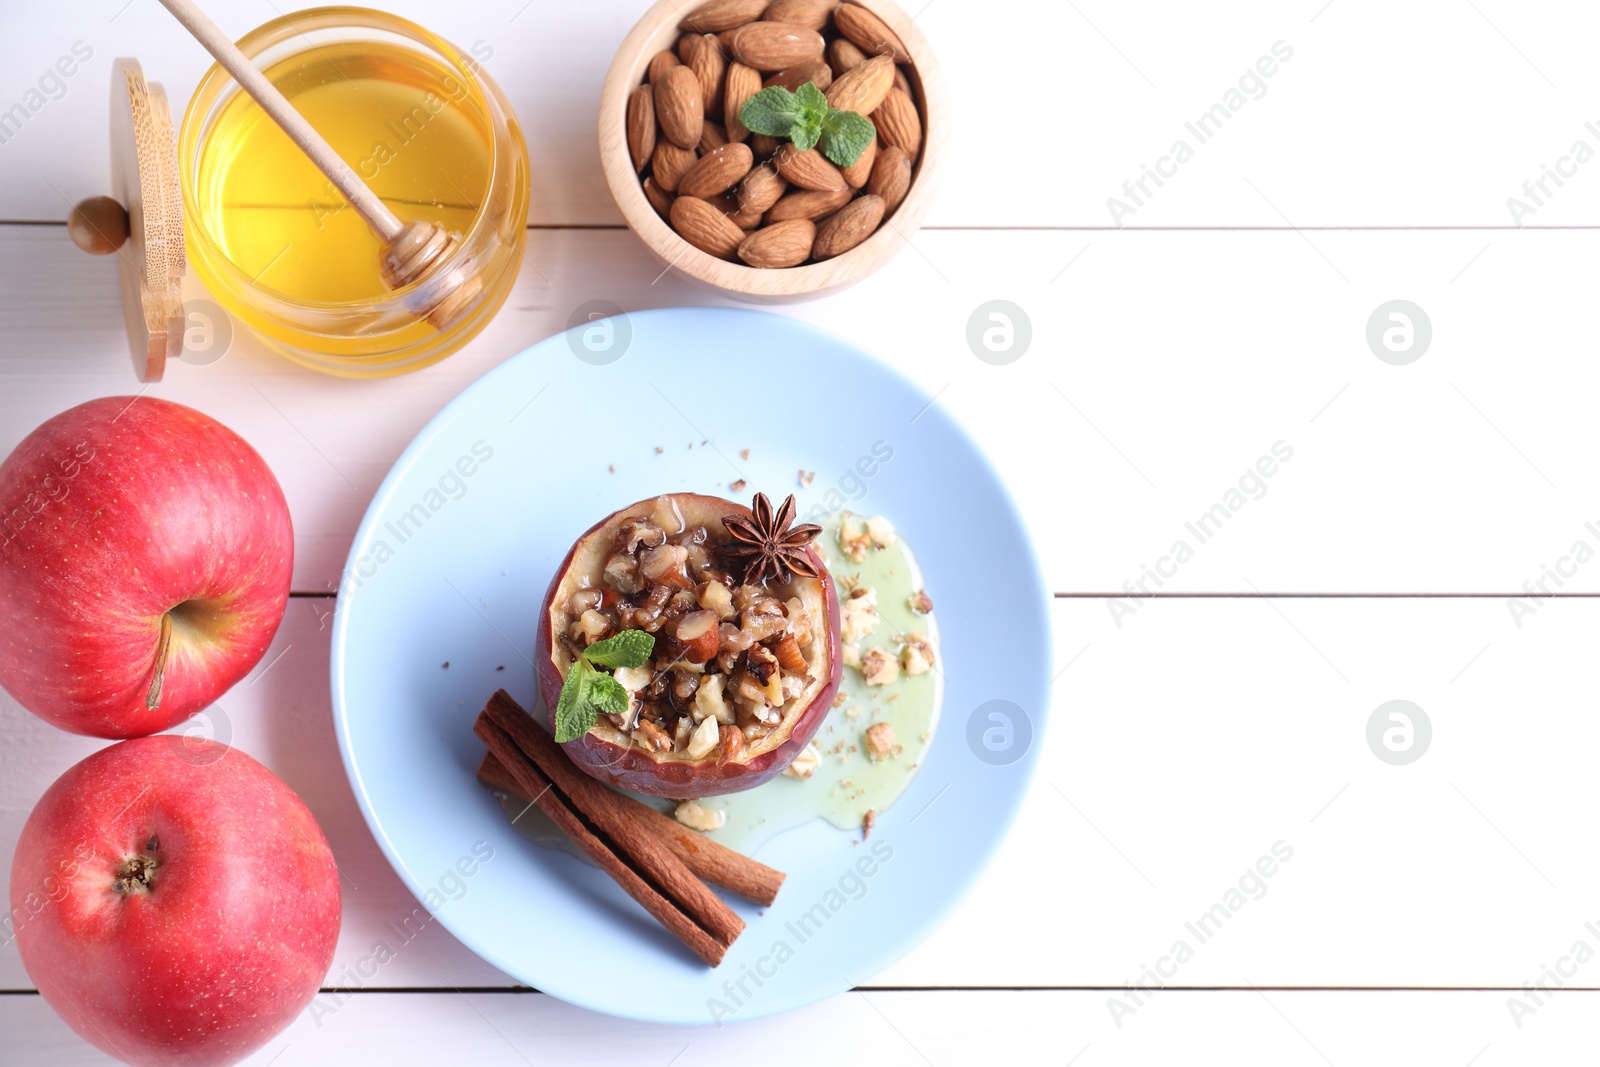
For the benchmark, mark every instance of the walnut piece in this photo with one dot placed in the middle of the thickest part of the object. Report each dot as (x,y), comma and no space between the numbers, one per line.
(696,816)
(881,531)
(880,742)
(853,537)
(878,667)
(858,615)
(916,654)
(805,764)
(704,739)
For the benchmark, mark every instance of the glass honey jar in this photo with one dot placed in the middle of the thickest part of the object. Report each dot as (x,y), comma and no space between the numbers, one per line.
(423,125)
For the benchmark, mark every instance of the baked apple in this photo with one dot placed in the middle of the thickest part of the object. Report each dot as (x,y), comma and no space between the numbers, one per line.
(745,662)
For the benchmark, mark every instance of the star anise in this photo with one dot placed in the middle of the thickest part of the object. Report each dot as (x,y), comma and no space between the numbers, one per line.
(766,544)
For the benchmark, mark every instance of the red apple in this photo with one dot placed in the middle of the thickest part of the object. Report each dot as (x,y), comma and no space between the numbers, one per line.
(617,757)
(145,555)
(174,901)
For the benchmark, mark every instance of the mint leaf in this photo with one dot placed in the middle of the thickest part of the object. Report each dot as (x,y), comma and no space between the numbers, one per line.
(587,693)
(845,135)
(606,695)
(772,112)
(630,648)
(574,716)
(811,100)
(812,113)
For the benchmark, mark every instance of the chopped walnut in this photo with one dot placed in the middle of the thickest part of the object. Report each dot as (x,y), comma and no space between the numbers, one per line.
(704,739)
(916,655)
(839,698)
(878,667)
(805,764)
(737,486)
(639,533)
(718,598)
(853,537)
(709,703)
(652,737)
(806,478)
(858,615)
(880,742)
(868,821)
(881,531)
(920,602)
(850,656)
(696,816)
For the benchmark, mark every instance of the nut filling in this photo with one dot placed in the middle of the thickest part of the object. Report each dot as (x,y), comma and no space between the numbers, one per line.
(734,661)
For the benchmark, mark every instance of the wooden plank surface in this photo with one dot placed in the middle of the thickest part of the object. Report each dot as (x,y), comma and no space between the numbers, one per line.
(900,1029)
(1221,333)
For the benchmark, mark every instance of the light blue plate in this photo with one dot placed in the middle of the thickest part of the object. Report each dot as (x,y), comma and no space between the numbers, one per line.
(451,563)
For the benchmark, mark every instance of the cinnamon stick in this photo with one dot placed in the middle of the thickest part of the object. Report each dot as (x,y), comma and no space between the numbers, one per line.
(554,803)
(712,861)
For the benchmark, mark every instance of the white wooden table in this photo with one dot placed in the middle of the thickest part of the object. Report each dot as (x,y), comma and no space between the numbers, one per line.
(1228,313)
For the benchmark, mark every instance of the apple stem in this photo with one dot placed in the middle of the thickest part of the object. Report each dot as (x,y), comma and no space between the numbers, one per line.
(152,699)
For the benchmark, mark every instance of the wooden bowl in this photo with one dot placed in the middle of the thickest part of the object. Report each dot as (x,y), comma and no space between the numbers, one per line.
(658,30)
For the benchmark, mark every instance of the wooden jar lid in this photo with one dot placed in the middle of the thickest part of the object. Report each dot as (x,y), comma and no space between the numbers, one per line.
(146,183)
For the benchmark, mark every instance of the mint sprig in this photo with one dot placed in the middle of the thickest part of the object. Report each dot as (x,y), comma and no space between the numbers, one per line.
(804,117)
(587,693)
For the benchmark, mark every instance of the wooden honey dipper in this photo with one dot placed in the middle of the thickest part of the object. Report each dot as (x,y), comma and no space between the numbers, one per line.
(410,251)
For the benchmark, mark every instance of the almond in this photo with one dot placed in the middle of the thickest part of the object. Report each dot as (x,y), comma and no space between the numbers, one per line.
(812,14)
(857,173)
(869,33)
(898,123)
(659,198)
(775,45)
(705,227)
(730,742)
(809,169)
(668,164)
(764,146)
(686,44)
(678,106)
(891,178)
(717,171)
(659,64)
(903,83)
(806,204)
(848,228)
(712,137)
(844,56)
(761,188)
(814,71)
(783,244)
(709,65)
(719,15)
(742,83)
(745,219)
(697,632)
(861,90)
(728,205)
(641,126)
